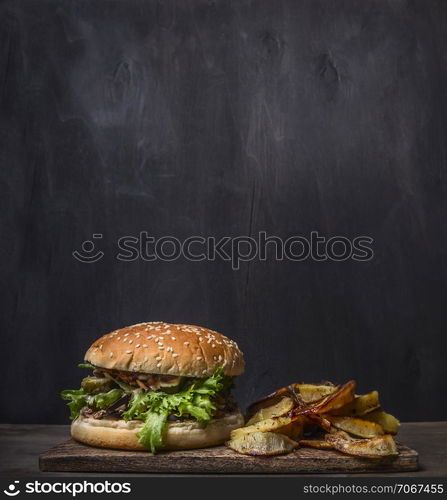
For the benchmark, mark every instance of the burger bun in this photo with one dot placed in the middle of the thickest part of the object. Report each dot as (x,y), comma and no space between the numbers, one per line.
(179,435)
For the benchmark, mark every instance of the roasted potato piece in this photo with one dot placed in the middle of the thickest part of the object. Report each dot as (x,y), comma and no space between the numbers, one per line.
(320,444)
(356,426)
(295,429)
(299,392)
(319,421)
(311,393)
(270,400)
(380,446)
(361,405)
(277,410)
(270,424)
(389,423)
(277,422)
(262,443)
(341,397)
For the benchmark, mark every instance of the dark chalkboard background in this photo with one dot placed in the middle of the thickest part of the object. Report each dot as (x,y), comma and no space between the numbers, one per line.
(223,118)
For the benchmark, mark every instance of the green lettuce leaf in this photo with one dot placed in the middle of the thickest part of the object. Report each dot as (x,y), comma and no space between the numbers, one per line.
(79,398)
(155,407)
(200,414)
(151,435)
(139,403)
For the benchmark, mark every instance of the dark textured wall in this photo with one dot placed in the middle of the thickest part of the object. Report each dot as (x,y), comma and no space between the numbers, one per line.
(226,118)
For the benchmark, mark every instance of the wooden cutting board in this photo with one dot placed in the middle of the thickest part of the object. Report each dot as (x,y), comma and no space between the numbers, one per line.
(72,456)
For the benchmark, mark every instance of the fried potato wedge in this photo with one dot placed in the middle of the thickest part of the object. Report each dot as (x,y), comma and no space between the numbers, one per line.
(341,397)
(389,423)
(320,444)
(270,424)
(262,443)
(277,410)
(310,393)
(270,400)
(295,429)
(380,446)
(319,421)
(356,426)
(361,405)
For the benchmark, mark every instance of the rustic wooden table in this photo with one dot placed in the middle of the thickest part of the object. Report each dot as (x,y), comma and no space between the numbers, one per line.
(20,446)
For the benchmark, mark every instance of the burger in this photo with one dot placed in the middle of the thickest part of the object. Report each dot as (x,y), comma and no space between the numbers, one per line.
(156,386)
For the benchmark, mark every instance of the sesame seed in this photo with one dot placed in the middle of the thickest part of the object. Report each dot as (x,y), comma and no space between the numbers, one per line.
(174,338)
(158,358)
(169,349)
(111,355)
(129,352)
(144,345)
(124,340)
(186,343)
(158,365)
(118,338)
(213,345)
(200,339)
(126,334)
(130,341)
(160,343)
(199,358)
(175,355)
(161,348)
(204,371)
(161,338)
(138,345)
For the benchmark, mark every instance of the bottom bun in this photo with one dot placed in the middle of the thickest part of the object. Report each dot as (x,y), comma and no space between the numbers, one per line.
(180,435)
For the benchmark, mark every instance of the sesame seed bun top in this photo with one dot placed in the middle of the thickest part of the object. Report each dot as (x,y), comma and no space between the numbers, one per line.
(167,349)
